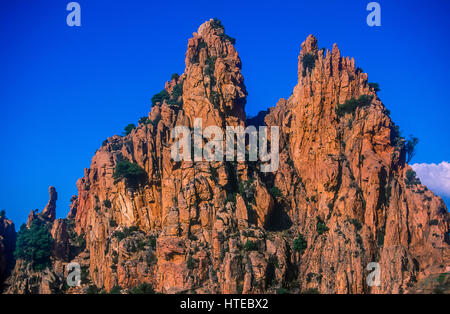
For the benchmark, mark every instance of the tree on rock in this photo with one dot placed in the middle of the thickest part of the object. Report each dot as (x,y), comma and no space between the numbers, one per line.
(34,245)
(131,172)
(130,127)
(410,147)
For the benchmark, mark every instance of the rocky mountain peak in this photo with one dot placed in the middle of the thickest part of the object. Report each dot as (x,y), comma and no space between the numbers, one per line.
(339,200)
(48,214)
(213,87)
(343,153)
(49,211)
(309,45)
(212,37)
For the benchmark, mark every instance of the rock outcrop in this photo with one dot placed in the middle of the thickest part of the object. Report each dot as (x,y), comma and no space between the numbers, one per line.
(7,245)
(48,214)
(348,171)
(341,198)
(24,278)
(183,203)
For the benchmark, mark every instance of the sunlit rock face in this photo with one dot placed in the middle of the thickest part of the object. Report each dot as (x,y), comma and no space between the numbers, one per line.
(338,201)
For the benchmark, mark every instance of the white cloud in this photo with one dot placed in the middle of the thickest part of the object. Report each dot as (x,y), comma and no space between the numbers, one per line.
(435,177)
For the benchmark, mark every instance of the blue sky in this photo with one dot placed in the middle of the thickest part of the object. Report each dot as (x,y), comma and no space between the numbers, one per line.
(64,90)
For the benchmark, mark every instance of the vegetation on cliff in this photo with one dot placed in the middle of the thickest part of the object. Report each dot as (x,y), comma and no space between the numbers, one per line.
(160,97)
(34,245)
(130,127)
(131,172)
(225,227)
(352,104)
(300,244)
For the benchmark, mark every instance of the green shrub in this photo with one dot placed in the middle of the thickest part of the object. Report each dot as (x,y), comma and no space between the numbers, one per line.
(282,291)
(216,23)
(396,137)
(350,105)
(410,147)
(247,191)
(311,291)
(130,127)
(92,290)
(116,290)
(131,172)
(112,223)
(177,91)
(225,37)
(309,62)
(152,242)
(202,44)
(321,226)
(119,235)
(144,120)
(250,246)
(125,233)
(364,100)
(442,277)
(143,288)
(107,203)
(85,275)
(175,76)
(34,245)
(160,97)
(300,244)
(411,178)
(275,192)
(375,87)
(2,213)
